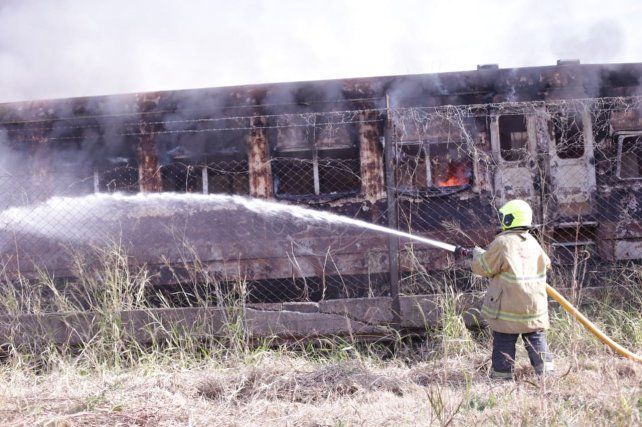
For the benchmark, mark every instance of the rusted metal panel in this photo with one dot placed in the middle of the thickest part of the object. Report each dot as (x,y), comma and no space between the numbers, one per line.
(371,157)
(393,221)
(628,249)
(149,171)
(260,169)
(149,176)
(629,119)
(41,177)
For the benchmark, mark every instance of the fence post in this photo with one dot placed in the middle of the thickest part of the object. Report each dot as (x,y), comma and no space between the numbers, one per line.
(393,241)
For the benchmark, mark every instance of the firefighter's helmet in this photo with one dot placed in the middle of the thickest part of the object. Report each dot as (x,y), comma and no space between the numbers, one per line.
(516,213)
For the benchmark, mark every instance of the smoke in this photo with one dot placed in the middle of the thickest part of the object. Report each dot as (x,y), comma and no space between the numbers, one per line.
(603,41)
(69,48)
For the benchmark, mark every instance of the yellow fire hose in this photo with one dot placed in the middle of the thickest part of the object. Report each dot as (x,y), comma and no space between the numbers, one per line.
(590,326)
(570,309)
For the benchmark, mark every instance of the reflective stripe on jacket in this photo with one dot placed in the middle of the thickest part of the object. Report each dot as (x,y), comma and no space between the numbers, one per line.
(516,300)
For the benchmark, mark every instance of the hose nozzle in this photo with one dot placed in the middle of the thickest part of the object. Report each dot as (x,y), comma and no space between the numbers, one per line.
(462,252)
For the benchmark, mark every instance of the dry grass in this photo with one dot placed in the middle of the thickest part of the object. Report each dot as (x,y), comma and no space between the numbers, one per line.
(277,388)
(227,381)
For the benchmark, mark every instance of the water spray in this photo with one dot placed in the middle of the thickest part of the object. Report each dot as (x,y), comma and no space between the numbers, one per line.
(165,204)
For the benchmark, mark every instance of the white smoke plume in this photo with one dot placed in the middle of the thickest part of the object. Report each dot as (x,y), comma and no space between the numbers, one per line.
(68,48)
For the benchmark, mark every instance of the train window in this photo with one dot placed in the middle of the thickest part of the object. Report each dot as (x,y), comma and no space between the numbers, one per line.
(315,158)
(182,178)
(220,177)
(227,177)
(513,137)
(294,173)
(119,178)
(569,139)
(630,157)
(433,165)
(324,172)
(412,169)
(450,164)
(339,171)
(116,169)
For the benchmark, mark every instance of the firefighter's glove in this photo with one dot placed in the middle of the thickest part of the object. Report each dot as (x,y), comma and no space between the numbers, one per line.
(477,251)
(461,252)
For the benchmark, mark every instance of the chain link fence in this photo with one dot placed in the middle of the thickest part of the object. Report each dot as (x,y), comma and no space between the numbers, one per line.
(577,162)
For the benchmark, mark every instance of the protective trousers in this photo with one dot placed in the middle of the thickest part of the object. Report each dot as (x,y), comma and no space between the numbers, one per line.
(504,353)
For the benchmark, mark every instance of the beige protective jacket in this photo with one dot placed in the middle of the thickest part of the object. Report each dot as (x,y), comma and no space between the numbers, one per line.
(516,300)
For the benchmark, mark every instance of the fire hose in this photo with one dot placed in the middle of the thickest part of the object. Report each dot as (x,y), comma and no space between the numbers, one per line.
(591,326)
(566,305)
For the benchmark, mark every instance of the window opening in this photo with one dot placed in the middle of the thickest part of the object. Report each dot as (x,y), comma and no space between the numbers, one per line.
(119,178)
(117,167)
(630,157)
(413,170)
(450,165)
(182,178)
(317,159)
(513,137)
(569,139)
(228,177)
(294,173)
(433,165)
(339,171)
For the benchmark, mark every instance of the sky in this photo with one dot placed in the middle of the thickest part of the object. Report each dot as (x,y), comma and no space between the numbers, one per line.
(70,48)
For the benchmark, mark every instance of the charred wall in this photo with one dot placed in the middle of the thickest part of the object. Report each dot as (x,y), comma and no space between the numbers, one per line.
(457,141)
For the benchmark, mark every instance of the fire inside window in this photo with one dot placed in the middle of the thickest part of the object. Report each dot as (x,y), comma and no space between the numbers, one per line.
(569,139)
(316,160)
(630,157)
(448,165)
(513,137)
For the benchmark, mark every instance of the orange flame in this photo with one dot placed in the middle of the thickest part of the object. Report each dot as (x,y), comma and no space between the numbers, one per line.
(455,175)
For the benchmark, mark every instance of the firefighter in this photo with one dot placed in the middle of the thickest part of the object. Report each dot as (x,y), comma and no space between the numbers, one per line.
(515,303)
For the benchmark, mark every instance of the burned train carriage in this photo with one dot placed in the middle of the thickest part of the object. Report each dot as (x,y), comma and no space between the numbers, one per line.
(430,154)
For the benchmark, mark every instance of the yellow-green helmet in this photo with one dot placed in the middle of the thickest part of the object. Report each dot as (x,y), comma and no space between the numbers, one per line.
(516,213)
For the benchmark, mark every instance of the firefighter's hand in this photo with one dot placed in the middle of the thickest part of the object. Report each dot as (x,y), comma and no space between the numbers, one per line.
(461,252)
(477,251)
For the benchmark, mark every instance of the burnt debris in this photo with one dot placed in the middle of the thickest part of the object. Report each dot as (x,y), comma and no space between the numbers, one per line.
(565,138)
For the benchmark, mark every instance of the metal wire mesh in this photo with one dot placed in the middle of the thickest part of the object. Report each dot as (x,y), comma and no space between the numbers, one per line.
(578,163)
(573,161)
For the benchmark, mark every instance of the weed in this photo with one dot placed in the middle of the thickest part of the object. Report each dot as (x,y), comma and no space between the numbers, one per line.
(200,373)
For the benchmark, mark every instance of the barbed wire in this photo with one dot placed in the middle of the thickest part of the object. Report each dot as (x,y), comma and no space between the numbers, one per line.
(546,108)
(191,110)
(195,131)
